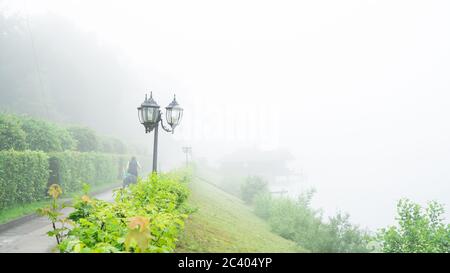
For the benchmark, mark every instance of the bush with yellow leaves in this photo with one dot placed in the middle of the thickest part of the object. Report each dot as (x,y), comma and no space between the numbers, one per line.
(145,217)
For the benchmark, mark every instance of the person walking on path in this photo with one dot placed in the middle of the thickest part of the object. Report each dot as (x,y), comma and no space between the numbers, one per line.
(132,172)
(133,166)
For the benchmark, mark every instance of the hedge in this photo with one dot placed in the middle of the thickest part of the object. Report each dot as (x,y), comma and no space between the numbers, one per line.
(71,169)
(23,177)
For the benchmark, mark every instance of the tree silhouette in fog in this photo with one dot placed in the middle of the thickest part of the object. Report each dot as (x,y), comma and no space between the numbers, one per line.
(51,69)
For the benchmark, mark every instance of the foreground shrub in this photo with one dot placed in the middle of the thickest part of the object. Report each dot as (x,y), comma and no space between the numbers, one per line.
(418,230)
(145,217)
(23,177)
(53,213)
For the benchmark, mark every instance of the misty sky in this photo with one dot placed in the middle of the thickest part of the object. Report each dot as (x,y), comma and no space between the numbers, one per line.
(359,91)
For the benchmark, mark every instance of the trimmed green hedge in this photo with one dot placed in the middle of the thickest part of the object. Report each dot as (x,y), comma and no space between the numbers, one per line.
(35,153)
(23,177)
(71,169)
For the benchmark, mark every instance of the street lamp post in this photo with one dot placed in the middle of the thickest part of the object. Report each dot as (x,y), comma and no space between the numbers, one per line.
(150,116)
(188,152)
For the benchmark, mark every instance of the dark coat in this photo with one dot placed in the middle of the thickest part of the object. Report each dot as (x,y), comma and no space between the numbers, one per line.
(133,167)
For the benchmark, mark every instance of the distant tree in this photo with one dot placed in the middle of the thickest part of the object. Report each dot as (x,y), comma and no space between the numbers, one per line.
(87,140)
(105,145)
(253,186)
(112,145)
(418,230)
(67,141)
(340,236)
(296,220)
(11,134)
(263,204)
(118,146)
(65,76)
(45,136)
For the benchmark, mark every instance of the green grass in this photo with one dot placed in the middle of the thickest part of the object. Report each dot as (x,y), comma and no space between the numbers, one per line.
(223,223)
(20,210)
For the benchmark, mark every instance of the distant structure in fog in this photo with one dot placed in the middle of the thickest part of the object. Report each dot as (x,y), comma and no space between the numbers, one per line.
(267,164)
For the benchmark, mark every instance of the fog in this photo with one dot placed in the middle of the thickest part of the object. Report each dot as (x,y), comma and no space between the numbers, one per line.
(358,92)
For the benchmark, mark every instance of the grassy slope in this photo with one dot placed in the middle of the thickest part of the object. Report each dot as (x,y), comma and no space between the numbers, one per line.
(223,223)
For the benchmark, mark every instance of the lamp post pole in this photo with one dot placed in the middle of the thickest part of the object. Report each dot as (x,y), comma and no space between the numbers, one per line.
(155,150)
(187,151)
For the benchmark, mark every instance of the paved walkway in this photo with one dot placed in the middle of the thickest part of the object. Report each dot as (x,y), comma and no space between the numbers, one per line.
(31,236)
